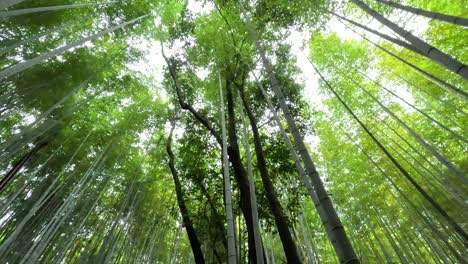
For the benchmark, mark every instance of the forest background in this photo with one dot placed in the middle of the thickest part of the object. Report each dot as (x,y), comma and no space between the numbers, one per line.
(233,131)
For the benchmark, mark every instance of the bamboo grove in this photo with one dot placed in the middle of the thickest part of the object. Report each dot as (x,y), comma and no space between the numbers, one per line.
(222,131)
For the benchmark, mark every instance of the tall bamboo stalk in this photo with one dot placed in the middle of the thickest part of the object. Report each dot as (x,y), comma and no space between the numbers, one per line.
(328,215)
(429,51)
(232,253)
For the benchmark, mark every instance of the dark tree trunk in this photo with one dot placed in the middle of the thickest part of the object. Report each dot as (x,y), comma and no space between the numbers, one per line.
(192,235)
(219,224)
(289,245)
(324,205)
(18,165)
(240,172)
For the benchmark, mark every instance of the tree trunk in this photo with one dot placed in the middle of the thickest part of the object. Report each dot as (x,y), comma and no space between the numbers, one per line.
(439,99)
(459,174)
(192,235)
(232,253)
(41,34)
(310,257)
(434,15)
(240,172)
(218,219)
(29,63)
(455,134)
(19,12)
(19,165)
(429,51)
(436,205)
(413,206)
(234,157)
(289,245)
(253,196)
(8,3)
(384,36)
(414,67)
(328,215)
